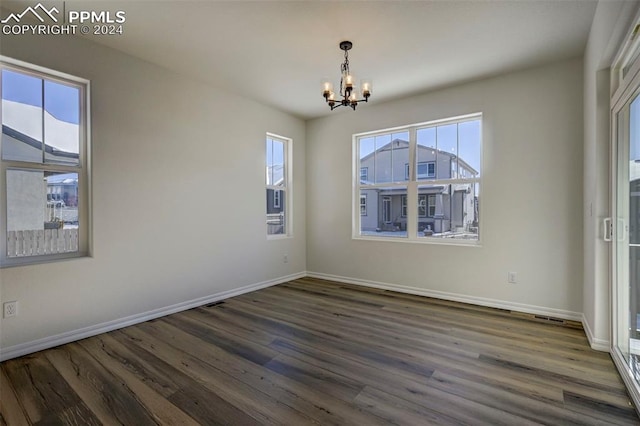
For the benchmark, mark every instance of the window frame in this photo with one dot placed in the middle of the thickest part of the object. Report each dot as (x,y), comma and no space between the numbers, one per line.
(413,182)
(286,189)
(83,168)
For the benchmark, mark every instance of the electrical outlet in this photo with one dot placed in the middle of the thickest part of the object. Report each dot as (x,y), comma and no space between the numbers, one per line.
(10,309)
(512,277)
(285,258)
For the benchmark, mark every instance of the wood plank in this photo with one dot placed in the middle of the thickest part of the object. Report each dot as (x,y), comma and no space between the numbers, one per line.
(508,402)
(204,405)
(499,347)
(320,407)
(324,380)
(428,316)
(11,411)
(104,394)
(227,341)
(259,405)
(102,349)
(603,412)
(406,388)
(379,355)
(44,394)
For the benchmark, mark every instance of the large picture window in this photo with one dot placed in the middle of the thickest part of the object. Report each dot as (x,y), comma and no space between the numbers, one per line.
(43,164)
(278,173)
(423,182)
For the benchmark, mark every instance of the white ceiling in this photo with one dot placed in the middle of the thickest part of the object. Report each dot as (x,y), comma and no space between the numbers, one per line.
(277,52)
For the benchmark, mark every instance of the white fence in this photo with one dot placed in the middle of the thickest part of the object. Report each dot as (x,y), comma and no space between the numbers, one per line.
(43,241)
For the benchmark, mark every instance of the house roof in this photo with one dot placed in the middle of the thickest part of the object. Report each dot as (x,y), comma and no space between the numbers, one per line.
(277,173)
(21,137)
(400,143)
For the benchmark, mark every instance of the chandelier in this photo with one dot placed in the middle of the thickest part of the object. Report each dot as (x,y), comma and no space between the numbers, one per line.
(348,95)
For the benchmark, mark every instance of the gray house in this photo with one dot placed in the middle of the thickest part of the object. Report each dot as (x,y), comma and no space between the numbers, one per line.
(442,207)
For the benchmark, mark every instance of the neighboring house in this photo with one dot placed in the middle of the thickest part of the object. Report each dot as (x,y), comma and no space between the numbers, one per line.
(441,207)
(63,188)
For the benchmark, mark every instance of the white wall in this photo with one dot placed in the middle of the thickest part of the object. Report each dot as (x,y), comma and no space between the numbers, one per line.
(178,197)
(610,23)
(531,195)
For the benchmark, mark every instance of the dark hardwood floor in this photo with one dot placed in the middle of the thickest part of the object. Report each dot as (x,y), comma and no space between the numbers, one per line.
(317,352)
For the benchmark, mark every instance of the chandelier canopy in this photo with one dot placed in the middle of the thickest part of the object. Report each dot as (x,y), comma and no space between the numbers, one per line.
(348,94)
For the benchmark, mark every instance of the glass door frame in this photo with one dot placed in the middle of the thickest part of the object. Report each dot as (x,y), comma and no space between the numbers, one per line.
(628,88)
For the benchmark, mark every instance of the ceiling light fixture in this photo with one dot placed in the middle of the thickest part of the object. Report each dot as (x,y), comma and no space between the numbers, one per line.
(348,93)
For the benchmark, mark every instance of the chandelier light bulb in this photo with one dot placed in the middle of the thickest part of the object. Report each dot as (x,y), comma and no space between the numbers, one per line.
(327,88)
(366,88)
(348,81)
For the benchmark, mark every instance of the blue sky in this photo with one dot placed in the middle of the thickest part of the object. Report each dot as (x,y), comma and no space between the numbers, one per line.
(61,101)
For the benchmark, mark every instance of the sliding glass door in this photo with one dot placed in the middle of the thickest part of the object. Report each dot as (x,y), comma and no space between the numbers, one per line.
(624,230)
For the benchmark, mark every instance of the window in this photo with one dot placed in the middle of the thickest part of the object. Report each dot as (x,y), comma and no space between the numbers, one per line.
(364,173)
(363,205)
(425,170)
(276,199)
(422,205)
(434,166)
(278,185)
(386,209)
(44,175)
(431,205)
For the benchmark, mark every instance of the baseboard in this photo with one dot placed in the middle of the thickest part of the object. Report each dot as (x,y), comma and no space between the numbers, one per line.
(83,333)
(482,301)
(595,343)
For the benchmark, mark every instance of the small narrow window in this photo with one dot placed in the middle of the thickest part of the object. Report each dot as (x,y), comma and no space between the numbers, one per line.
(278,184)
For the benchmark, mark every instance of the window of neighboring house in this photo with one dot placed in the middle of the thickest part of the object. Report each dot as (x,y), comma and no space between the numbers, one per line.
(431,205)
(278,185)
(425,169)
(364,173)
(422,205)
(44,176)
(276,199)
(439,172)
(363,205)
